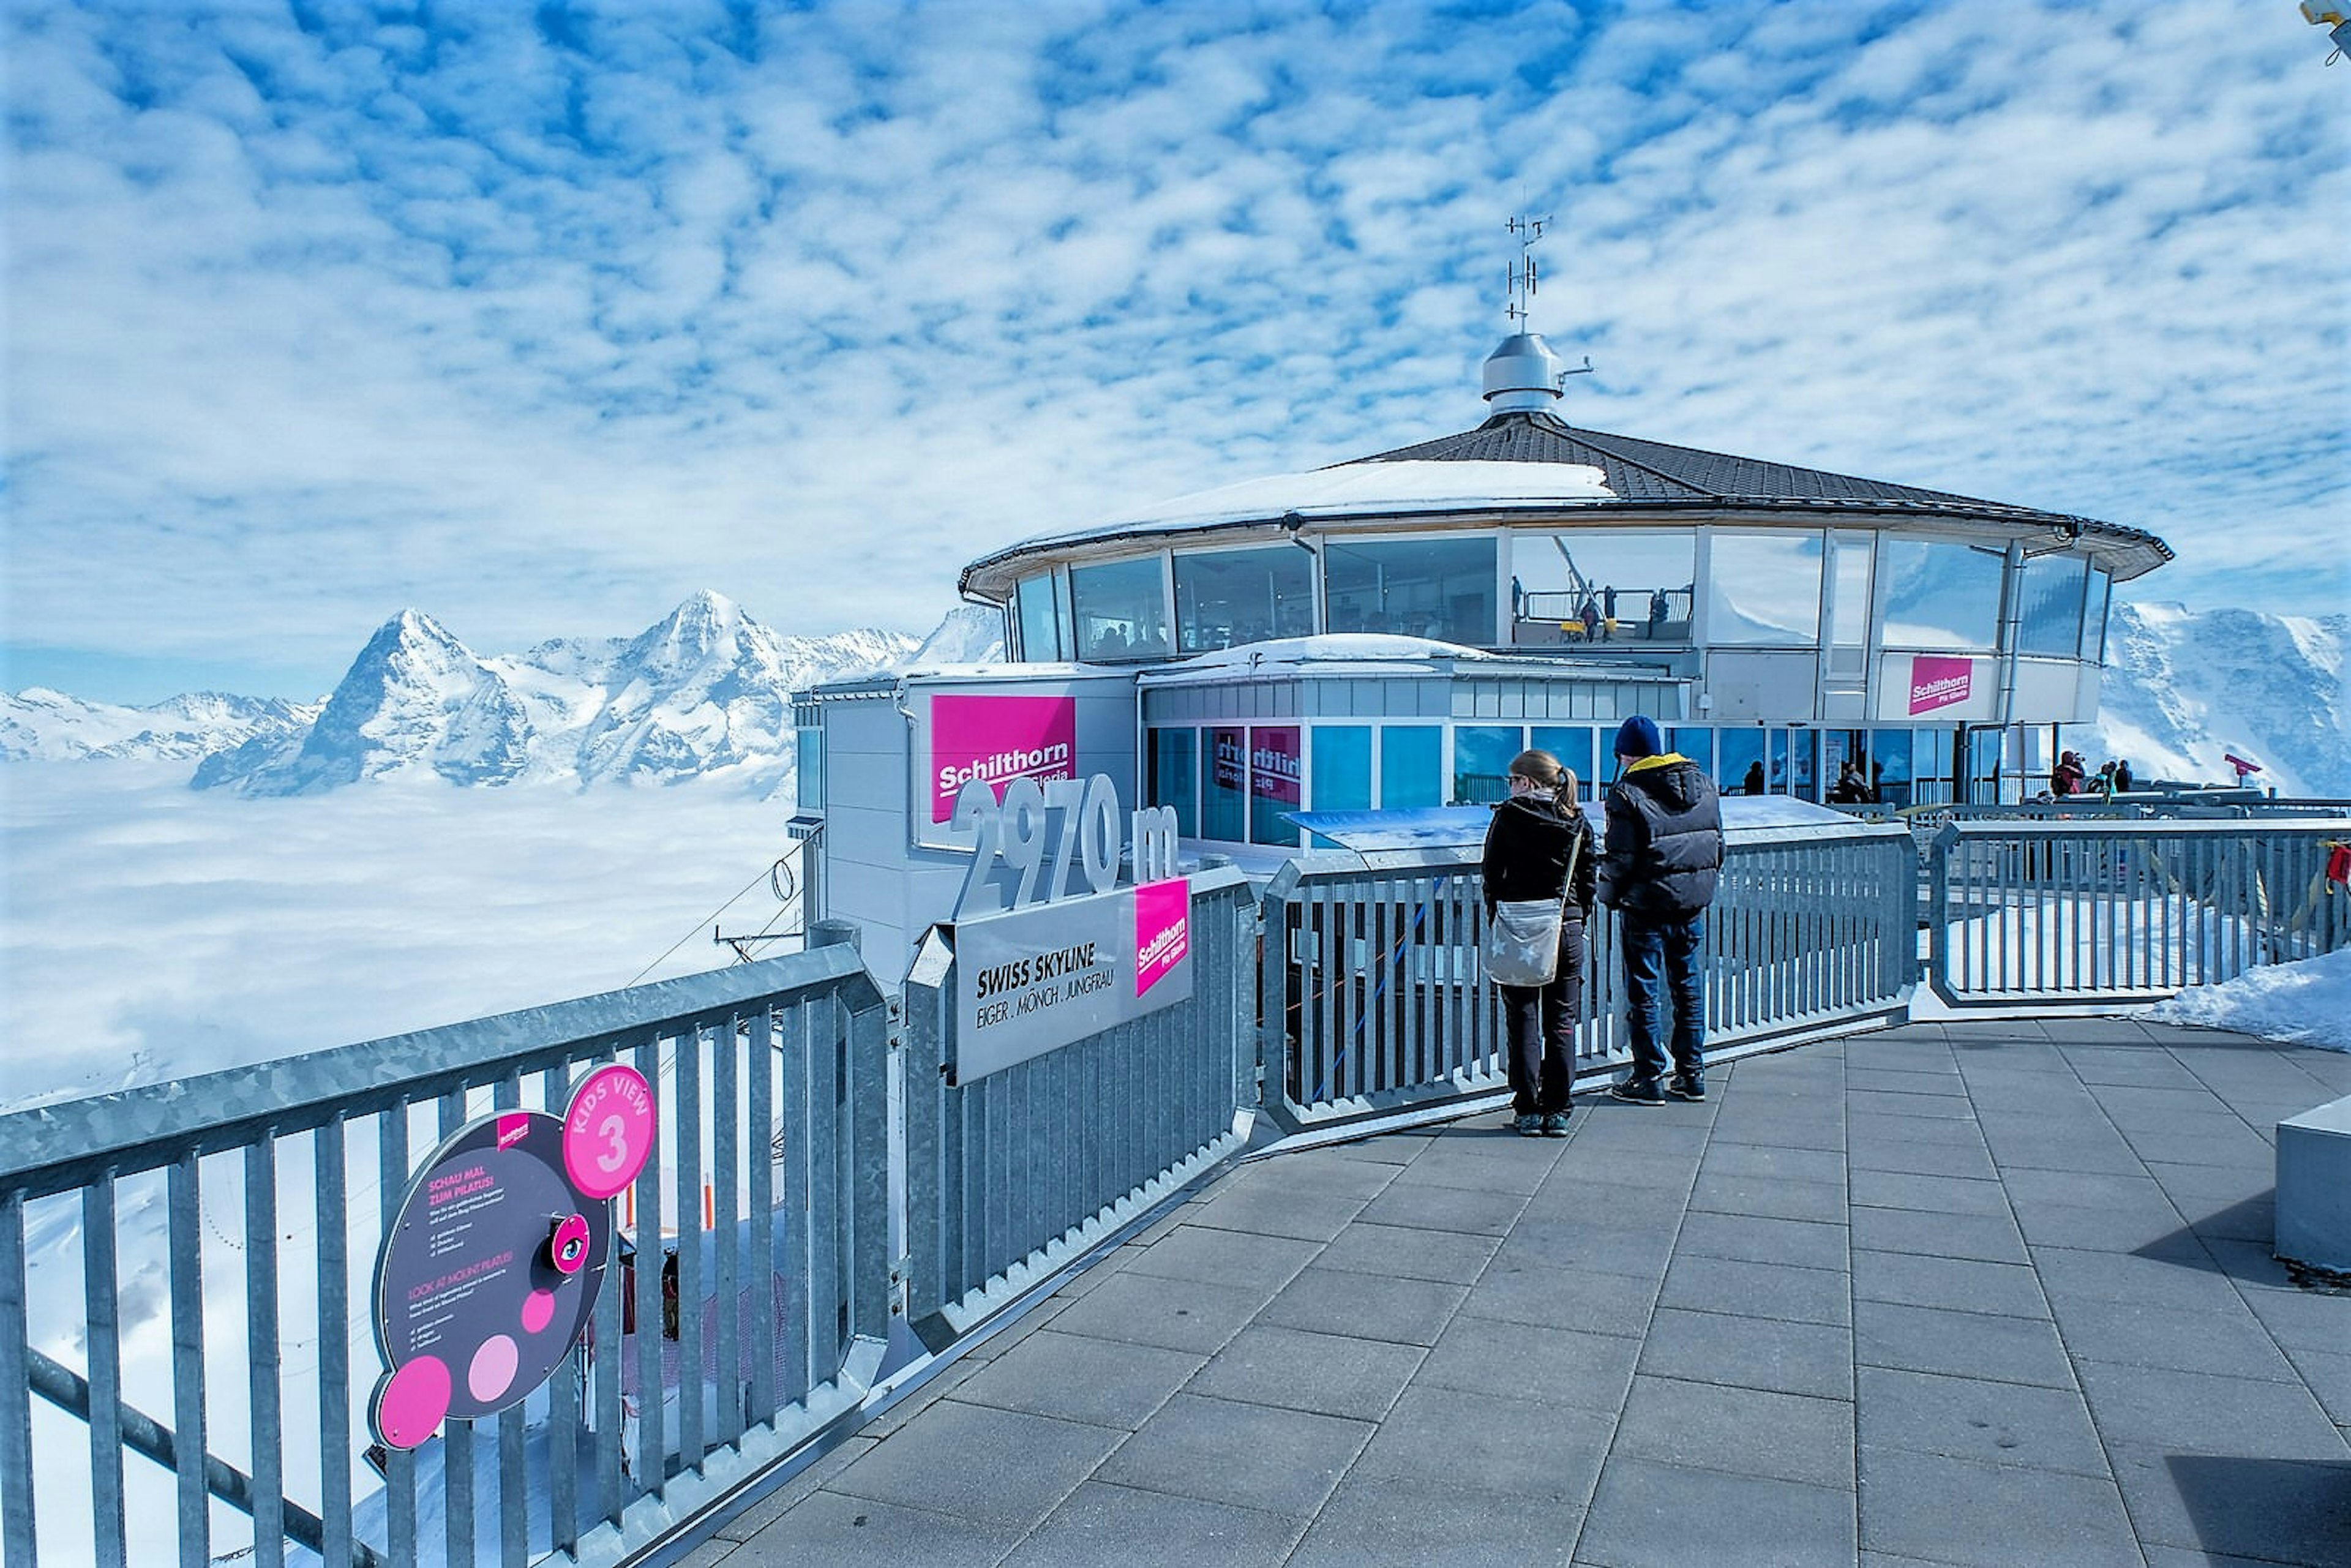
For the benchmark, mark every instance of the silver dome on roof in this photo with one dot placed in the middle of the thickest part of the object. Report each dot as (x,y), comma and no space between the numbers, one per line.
(1523,376)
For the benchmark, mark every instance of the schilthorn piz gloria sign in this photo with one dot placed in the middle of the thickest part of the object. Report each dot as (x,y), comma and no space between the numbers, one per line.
(1055,966)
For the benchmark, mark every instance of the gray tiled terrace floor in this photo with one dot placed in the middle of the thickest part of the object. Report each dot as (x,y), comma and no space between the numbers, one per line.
(1973,1293)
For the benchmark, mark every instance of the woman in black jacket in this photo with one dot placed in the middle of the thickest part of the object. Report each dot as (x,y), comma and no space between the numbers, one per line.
(1540,845)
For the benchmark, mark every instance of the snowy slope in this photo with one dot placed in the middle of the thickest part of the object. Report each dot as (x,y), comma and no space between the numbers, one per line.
(49,727)
(2184,686)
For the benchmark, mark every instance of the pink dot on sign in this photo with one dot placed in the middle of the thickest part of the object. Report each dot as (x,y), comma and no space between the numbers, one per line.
(538,1311)
(415,1400)
(493,1368)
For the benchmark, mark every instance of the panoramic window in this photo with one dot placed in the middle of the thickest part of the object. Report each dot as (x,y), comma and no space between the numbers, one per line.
(1410,761)
(1940,595)
(1482,753)
(1340,767)
(1740,768)
(1273,783)
(2093,623)
(2051,610)
(1224,802)
(1764,589)
(1039,607)
(1176,776)
(1439,589)
(1573,746)
(1119,608)
(1889,766)
(1637,585)
(1225,598)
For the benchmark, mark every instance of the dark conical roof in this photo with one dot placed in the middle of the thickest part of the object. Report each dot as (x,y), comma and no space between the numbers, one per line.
(1658,472)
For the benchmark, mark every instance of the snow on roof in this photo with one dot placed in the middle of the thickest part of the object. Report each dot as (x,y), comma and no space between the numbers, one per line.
(1354,489)
(1336,647)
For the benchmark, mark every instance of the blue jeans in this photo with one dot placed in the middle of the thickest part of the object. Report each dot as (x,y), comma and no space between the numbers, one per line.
(1664,948)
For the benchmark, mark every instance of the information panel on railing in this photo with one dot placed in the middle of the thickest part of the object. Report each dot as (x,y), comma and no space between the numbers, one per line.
(1039,966)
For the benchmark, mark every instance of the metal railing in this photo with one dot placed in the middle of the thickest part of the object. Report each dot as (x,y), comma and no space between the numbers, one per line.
(1373,999)
(1013,1176)
(153,1240)
(2024,913)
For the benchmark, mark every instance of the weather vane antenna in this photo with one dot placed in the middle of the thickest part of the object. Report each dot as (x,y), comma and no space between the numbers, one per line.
(1526,275)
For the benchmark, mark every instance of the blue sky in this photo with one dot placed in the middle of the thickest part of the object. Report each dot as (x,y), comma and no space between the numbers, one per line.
(540,319)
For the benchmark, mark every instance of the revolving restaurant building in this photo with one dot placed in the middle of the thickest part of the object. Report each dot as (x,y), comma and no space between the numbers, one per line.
(1391,631)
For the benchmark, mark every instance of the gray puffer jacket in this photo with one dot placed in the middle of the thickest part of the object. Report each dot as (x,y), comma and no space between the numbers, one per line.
(1664,839)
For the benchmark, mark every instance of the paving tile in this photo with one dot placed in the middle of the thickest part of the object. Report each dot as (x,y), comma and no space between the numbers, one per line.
(1326,1374)
(2084,1189)
(1075,1377)
(1336,1171)
(2273,1509)
(1103,1523)
(2179,1275)
(1810,1244)
(2327,1376)
(1262,1456)
(2104,1229)
(1751,1431)
(1923,1077)
(2248,1219)
(777,1502)
(941,1384)
(1223,1257)
(1605,1204)
(1409,1252)
(1534,1451)
(1508,1163)
(1725,1159)
(1969,1159)
(1877,1102)
(2202,1413)
(2074,1152)
(1751,1353)
(1526,1361)
(2300,1319)
(1585,1299)
(2218,1140)
(1642,1250)
(1366,1306)
(1704,1284)
(1665,1170)
(1650,1515)
(1959,1284)
(2230,1342)
(1965,1344)
(1770,1197)
(1178,1314)
(1764,1129)
(1990,1237)
(1262,1208)
(1447,1209)
(1382,1522)
(852,1531)
(995,1468)
(1955,1510)
(1978,1418)
(1932,1194)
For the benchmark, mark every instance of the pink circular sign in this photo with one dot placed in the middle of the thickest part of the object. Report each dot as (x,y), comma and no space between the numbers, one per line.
(608,1131)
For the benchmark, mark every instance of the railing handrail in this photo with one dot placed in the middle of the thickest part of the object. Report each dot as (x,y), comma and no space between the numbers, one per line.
(50,1149)
(2137,827)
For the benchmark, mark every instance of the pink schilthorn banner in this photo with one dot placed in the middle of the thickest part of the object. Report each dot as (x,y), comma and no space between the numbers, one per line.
(1163,930)
(1939,680)
(998,739)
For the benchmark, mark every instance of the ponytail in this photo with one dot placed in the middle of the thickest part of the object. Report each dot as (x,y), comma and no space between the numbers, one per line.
(1543,770)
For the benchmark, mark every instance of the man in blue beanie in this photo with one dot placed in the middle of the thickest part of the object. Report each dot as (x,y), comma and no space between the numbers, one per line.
(1663,854)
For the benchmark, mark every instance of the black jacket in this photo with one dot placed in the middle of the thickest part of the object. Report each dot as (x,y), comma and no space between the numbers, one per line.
(1527,851)
(1664,839)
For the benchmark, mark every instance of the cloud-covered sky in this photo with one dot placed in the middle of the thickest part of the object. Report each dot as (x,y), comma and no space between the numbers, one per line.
(542,318)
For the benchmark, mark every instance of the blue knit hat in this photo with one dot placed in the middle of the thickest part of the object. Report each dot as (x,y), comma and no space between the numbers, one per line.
(1637,738)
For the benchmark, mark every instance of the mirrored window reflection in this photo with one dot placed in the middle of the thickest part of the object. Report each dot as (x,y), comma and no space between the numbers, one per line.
(1764,589)
(1340,767)
(1739,767)
(2050,608)
(1889,766)
(1176,776)
(1411,757)
(2093,622)
(1039,607)
(1697,745)
(1940,595)
(1439,589)
(1274,777)
(1573,746)
(1225,598)
(1849,590)
(1119,608)
(1603,586)
(1482,753)
(1224,803)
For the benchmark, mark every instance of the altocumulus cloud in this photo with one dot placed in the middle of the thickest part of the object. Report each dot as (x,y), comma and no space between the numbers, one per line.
(543,318)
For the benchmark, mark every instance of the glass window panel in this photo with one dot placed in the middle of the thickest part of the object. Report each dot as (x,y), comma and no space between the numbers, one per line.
(1983,765)
(1940,595)
(1038,605)
(1224,598)
(1411,764)
(1482,761)
(1440,589)
(1738,766)
(1224,806)
(807,769)
(1573,749)
(1697,745)
(1176,776)
(2093,623)
(1849,590)
(2050,620)
(1641,580)
(1273,783)
(1764,589)
(1889,766)
(1803,753)
(1341,780)
(1119,608)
